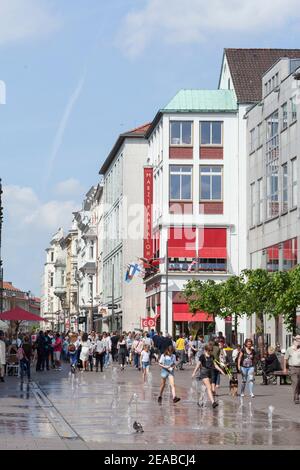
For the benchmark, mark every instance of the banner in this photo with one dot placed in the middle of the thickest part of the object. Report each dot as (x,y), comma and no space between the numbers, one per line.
(148,201)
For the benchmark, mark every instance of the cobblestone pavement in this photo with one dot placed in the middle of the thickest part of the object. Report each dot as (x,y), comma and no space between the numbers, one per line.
(97,411)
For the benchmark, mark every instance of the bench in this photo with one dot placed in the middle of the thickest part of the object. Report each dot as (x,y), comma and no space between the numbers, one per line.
(283,377)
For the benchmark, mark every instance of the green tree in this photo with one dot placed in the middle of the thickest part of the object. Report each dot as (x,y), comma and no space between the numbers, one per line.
(204,296)
(286,287)
(232,294)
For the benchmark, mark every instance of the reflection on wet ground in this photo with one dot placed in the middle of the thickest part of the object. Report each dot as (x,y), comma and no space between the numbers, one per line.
(103,410)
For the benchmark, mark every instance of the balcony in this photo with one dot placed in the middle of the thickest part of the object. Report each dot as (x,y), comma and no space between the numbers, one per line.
(91,234)
(89,268)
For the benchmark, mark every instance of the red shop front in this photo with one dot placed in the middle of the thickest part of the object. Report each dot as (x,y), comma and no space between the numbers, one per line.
(191,324)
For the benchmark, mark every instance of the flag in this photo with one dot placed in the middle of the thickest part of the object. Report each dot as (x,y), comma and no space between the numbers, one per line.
(133,269)
(191,265)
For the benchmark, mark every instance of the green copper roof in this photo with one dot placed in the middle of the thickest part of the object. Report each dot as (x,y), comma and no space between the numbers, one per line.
(203,101)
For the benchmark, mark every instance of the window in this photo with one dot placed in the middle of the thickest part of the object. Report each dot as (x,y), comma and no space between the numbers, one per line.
(211,183)
(181,182)
(294,182)
(285,187)
(284,111)
(293,109)
(273,258)
(252,140)
(181,133)
(91,288)
(252,203)
(92,250)
(229,84)
(272,165)
(62,278)
(211,133)
(290,254)
(260,201)
(259,135)
(52,256)
(51,279)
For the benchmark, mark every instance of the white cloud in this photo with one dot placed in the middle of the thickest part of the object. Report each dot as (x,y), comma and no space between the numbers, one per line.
(27,230)
(24,210)
(25,19)
(68,188)
(193,21)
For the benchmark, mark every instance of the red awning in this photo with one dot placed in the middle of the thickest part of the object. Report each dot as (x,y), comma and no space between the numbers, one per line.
(213,243)
(182,242)
(18,314)
(217,252)
(273,252)
(181,313)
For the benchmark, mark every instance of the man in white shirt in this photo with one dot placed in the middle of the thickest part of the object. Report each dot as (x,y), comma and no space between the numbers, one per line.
(292,357)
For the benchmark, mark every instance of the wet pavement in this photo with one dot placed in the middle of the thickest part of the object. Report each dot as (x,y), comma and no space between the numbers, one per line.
(92,410)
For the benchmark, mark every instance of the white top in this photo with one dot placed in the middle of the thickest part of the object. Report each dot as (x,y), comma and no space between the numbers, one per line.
(85,348)
(2,352)
(145,356)
(292,355)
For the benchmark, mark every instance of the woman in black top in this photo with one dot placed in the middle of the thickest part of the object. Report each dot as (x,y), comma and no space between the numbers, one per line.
(207,365)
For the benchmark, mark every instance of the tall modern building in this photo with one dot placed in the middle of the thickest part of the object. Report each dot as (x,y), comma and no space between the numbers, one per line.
(273,177)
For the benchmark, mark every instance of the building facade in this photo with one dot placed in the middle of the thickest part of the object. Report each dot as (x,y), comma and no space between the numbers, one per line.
(193,149)
(123,234)
(273,178)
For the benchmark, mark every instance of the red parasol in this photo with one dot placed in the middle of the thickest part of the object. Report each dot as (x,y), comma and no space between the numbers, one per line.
(18,314)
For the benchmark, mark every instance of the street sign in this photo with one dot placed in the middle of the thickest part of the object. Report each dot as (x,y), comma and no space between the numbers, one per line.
(112,306)
(148,322)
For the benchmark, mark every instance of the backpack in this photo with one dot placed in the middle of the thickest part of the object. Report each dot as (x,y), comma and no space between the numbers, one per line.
(20,354)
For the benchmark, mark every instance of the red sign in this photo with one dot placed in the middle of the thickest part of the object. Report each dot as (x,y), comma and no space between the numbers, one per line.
(228,320)
(148,201)
(148,322)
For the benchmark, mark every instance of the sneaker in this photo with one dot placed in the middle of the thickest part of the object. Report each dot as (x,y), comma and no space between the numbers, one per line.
(2,379)
(297,402)
(215,404)
(201,405)
(176,399)
(159,399)
(242,394)
(252,395)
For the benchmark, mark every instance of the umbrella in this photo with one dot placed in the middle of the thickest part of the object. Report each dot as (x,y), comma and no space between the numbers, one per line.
(18,314)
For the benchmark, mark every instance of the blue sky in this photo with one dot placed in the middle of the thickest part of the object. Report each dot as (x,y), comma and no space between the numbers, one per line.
(78,73)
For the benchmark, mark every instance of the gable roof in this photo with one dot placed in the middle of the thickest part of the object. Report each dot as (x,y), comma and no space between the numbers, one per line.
(9,286)
(140,131)
(202,101)
(247,67)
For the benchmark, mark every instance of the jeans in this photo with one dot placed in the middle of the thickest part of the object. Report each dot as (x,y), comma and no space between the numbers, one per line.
(181,357)
(247,376)
(137,360)
(73,359)
(100,359)
(25,367)
(106,359)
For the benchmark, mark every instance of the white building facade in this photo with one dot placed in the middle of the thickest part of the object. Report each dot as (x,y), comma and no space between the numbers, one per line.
(123,197)
(193,149)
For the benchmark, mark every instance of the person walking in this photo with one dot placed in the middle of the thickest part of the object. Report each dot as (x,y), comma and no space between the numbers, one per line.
(57,349)
(180,351)
(167,364)
(292,358)
(100,351)
(2,356)
(137,348)
(207,365)
(246,364)
(41,352)
(85,350)
(47,349)
(73,352)
(25,362)
(122,351)
(145,361)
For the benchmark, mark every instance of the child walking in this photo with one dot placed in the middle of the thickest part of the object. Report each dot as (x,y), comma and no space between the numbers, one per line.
(145,361)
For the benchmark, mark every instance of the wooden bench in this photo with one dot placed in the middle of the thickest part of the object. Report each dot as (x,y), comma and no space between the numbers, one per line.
(283,377)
